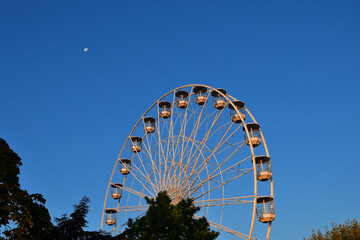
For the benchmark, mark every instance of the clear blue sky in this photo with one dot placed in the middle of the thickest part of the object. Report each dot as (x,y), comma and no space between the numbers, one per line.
(296,65)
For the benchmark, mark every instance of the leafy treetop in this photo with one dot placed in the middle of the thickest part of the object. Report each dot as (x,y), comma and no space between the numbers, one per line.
(350,230)
(166,221)
(17,207)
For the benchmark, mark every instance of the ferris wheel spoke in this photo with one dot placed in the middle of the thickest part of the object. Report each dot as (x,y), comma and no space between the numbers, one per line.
(173,153)
(210,116)
(194,133)
(149,154)
(211,176)
(187,120)
(165,143)
(191,138)
(162,149)
(227,148)
(179,154)
(131,193)
(182,134)
(222,184)
(138,178)
(143,162)
(213,156)
(170,130)
(180,166)
(175,165)
(215,185)
(228,230)
(155,170)
(161,154)
(191,168)
(190,158)
(224,201)
(131,190)
(177,168)
(122,225)
(206,114)
(220,144)
(177,149)
(145,175)
(233,167)
(134,208)
(128,197)
(174,141)
(205,139)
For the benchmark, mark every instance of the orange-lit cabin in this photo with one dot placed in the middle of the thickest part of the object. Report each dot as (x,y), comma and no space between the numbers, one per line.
(263,169)
(200,95)
(125,166)
(149,124)
(265,210)
(219,100)
(182,99)
(116,190)
(110,218)
(164,108)
(254,132)
(239,106)
(135,144)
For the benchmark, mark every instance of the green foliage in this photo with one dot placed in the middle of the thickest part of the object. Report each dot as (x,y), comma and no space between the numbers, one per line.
(22,215)
(169,222)
(9,182)
(73,227)
(350,230)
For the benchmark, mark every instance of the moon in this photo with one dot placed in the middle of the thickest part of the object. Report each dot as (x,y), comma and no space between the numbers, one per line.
(86,49)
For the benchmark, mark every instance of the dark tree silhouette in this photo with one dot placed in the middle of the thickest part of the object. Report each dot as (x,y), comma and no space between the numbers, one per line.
(73,227)
(166,221)
(350,230)
(22,215)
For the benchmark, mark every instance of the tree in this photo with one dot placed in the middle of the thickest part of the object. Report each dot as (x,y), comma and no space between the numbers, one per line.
(348,231)
(22,215)
(73,227)
(166,221)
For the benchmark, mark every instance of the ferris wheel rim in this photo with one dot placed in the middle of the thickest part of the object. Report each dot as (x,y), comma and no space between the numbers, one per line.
(230,101)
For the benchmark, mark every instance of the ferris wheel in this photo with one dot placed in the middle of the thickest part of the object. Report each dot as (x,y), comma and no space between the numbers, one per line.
(201,143)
